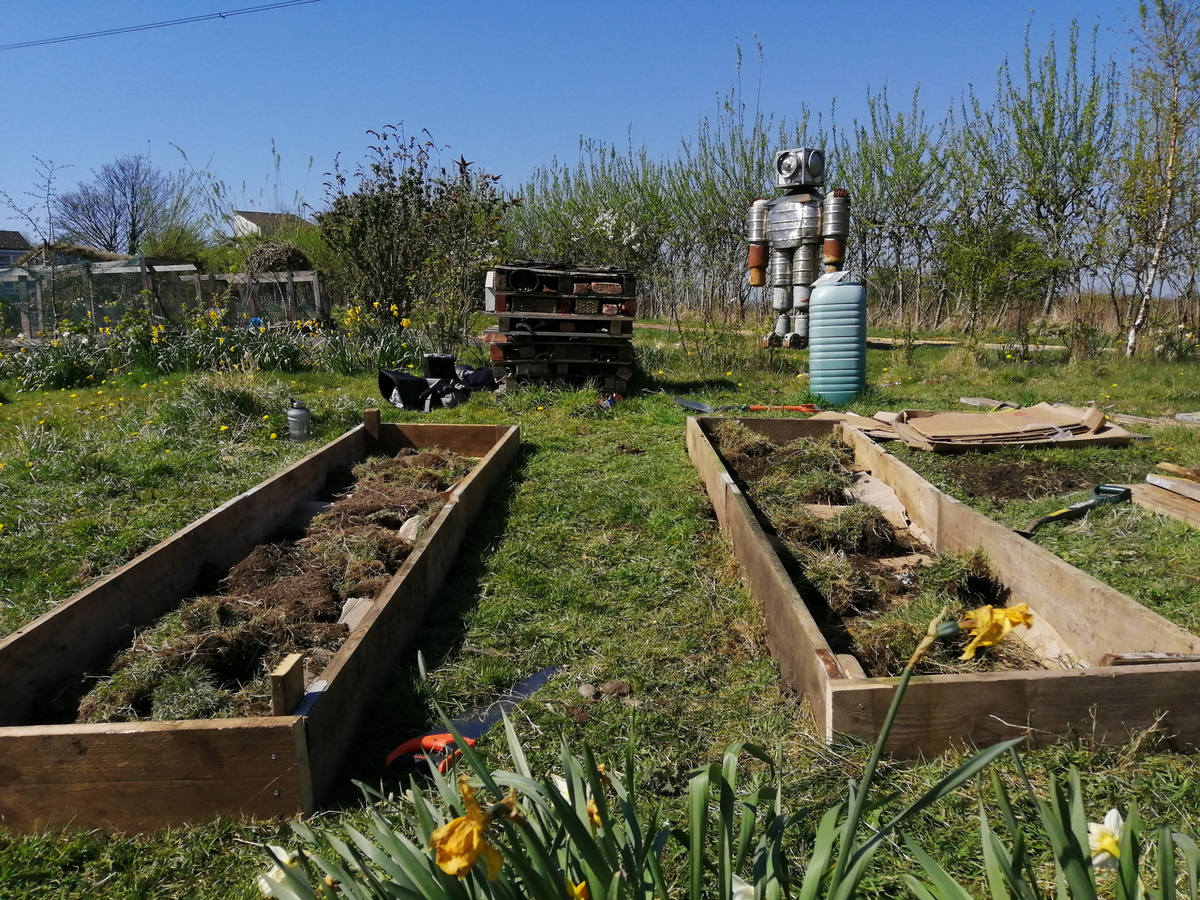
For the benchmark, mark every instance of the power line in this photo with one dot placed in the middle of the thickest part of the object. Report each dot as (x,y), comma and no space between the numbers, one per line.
(132,28)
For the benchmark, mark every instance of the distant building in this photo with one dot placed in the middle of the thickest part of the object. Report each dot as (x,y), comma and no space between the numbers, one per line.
(246,223)
(12,247)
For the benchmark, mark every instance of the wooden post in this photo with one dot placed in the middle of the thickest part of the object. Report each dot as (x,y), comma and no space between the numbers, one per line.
(317,299)
(37,293)
(371,424)
(289,304)
(287,685)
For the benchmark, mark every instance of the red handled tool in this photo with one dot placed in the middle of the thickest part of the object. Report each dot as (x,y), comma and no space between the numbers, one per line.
(436,749)
(705,408)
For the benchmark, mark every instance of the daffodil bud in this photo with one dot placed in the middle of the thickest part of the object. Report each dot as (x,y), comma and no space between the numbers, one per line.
(948,630)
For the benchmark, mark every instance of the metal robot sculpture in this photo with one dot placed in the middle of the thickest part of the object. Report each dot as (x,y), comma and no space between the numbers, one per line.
(792,236)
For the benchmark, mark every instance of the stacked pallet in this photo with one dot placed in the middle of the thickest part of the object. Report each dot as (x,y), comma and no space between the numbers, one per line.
(562,323)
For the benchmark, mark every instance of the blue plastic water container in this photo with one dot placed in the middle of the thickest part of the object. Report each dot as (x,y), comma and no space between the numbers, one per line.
(837,338)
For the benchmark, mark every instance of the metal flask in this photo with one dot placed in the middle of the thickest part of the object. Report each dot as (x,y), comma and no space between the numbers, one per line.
(299,421)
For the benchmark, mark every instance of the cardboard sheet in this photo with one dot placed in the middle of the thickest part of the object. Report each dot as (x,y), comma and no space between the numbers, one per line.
(1043,424)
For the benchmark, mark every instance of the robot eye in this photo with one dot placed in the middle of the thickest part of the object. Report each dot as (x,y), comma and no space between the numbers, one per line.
(787,165)
(816,163)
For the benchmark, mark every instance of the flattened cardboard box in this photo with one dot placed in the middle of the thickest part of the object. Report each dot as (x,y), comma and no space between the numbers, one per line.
(1041,424)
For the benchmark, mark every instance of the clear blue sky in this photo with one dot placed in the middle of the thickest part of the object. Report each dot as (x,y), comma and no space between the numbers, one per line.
(510,85)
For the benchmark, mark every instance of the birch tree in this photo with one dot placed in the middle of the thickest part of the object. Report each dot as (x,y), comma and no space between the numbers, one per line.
(1164,115)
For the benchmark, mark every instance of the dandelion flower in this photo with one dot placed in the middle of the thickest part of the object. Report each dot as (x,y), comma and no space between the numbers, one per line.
(1104,839)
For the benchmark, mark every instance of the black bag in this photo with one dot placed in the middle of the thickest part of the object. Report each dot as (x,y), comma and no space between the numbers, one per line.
(401,389)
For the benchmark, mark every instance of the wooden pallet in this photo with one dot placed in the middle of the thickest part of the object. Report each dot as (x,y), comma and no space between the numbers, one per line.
(562,323)
(141,776)
(1076,617)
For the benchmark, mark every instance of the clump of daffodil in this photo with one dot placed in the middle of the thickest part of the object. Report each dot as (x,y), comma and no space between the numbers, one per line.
(461,842)
(1104,839)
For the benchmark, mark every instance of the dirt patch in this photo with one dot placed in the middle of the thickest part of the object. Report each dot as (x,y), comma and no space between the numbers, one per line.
(1015,480)
(211,657)
(871,586)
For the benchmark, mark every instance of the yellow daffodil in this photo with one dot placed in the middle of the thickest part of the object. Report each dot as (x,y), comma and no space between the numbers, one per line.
(593,813)
(1104,839)
(578,891)
(989,625)
(460,843)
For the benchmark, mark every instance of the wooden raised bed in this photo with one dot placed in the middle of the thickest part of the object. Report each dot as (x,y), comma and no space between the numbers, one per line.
(140,776)
(1076,617)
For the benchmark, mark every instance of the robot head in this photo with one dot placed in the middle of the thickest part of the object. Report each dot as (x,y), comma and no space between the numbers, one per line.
(799,167)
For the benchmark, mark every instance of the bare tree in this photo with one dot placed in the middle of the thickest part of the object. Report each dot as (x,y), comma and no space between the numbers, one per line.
(127,201)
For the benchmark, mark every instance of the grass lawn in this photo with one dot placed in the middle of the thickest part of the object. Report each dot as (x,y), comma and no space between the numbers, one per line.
(600,554)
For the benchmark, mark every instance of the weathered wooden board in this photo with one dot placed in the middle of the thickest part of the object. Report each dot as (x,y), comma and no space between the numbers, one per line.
(1167,503)
(146,775)
(805,658)
(1084,617)
(356,672)
(1181,486)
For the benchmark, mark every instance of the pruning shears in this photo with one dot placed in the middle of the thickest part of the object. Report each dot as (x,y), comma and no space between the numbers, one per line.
(438,750)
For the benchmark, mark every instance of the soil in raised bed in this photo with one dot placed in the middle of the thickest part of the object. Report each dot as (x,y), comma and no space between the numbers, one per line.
(211,657)
(1027,479)
(873,588)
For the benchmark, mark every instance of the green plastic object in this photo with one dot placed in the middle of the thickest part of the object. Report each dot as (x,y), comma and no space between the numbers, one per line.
(837,338)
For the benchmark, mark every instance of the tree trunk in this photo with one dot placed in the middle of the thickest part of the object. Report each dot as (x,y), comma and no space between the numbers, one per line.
(1160,240)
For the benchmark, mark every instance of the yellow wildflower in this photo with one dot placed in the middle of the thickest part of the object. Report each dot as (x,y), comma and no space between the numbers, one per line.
(989,625)
(405,322)
(593,812)
(578,891)
(460,843)
(1104,839)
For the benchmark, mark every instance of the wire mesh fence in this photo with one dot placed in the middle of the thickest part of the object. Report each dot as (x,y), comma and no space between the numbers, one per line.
(47,300)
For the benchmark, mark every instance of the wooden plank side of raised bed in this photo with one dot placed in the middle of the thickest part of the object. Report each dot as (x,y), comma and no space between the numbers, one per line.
(147,775)
(82,632)
(348,686)
(1105,704)
(1091,616)
(466,440)
(1095,618)
(806,661)
(919,497)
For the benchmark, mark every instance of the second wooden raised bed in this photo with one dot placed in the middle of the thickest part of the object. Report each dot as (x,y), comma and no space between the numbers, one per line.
(1076,617)
(139,776)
